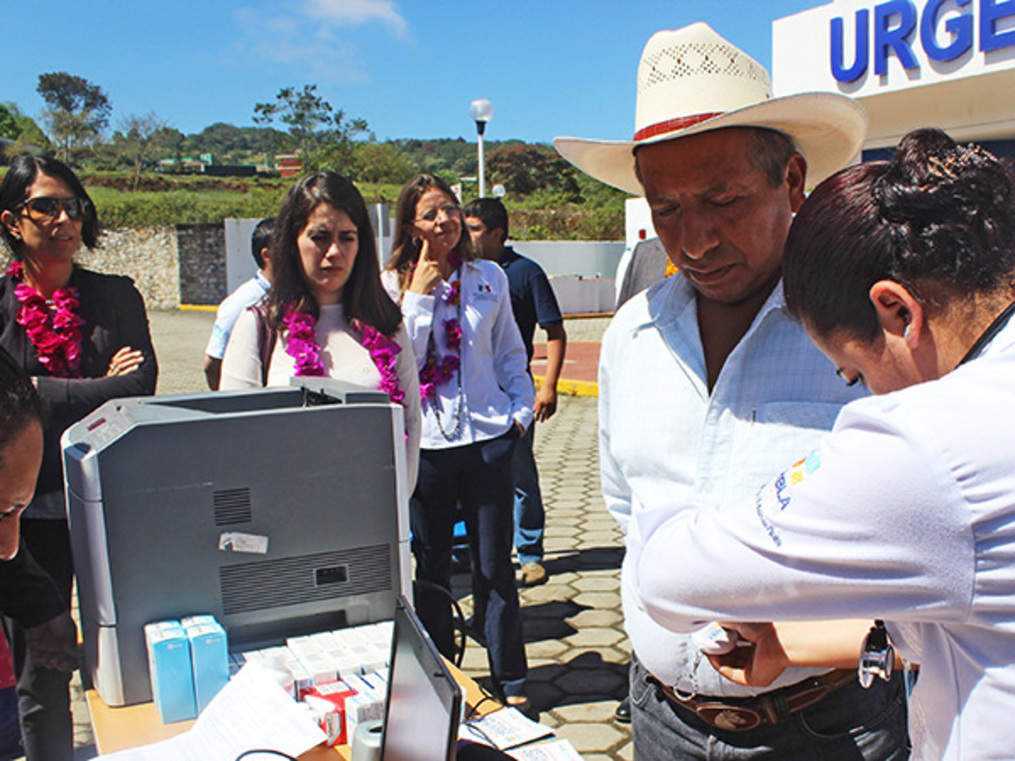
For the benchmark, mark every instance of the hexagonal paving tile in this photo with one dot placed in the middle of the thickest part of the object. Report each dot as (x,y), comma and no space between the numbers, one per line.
(587,736)
(593,583)
(541,629)
(586,708)
(598,599)
(583,681)
(550,592)
(594,636)
(595,617)
(545,648)
(544,696)
(598,537)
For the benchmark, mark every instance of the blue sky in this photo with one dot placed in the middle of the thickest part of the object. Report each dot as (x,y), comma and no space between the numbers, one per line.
(410,68)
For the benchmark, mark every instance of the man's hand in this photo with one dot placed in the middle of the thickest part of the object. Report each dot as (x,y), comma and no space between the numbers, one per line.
(757,664)
(54,643)
(546,402)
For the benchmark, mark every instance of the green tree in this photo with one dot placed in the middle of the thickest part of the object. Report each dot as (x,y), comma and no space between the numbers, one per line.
(8,124)
(524,169)
(137,140)
(383,162)
(78,112)
(320,134)
(22,129)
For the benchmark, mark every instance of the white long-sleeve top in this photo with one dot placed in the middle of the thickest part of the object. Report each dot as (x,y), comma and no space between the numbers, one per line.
(905,512)
(497,389)
(343,357)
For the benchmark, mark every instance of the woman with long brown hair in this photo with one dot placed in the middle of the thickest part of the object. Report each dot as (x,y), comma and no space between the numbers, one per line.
(477,400)
(326,313)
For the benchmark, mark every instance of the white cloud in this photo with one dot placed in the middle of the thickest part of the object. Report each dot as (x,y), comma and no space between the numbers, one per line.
(309,39)
(357,12)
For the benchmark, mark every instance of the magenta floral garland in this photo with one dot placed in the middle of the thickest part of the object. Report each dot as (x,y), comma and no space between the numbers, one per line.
(384,352)
(54,332)
(302,346)
(301,343)
(436,373)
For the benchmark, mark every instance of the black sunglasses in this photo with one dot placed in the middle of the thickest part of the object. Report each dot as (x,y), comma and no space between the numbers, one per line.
(43,206)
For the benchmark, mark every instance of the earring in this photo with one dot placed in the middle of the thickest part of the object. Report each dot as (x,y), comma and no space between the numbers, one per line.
(905,333)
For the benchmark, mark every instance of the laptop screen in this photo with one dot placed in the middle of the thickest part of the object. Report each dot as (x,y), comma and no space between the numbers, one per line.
(424,701)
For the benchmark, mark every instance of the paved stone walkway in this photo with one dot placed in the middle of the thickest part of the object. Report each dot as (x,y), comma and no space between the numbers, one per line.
(573,627)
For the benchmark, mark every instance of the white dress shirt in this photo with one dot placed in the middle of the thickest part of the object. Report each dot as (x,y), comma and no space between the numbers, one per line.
(343,357)
(905,512)
(497,389)
(232,306)
(664,440)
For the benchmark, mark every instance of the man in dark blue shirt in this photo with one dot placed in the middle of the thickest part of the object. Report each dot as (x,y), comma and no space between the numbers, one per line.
(533,301)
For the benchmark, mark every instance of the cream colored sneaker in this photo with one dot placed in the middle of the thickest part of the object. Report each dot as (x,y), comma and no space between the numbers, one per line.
(533,574)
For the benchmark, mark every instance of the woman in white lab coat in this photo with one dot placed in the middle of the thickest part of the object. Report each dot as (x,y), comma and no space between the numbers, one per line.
(902,273)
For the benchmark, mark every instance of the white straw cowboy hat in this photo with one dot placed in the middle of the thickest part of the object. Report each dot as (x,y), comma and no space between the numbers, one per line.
(691,80)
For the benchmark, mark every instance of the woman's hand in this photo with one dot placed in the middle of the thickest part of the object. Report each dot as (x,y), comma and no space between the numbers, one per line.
(771,648)
(427,273)
(126,360)
(757,663)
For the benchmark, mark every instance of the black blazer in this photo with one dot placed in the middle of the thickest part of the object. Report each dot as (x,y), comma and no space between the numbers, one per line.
(115,317)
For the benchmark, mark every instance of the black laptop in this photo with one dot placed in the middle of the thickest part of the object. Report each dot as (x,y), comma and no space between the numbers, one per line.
(424,702)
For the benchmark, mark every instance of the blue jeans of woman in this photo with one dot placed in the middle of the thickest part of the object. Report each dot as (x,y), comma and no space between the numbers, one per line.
(479,477)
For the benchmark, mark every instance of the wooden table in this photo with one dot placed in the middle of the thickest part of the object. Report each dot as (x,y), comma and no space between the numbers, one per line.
(130,726)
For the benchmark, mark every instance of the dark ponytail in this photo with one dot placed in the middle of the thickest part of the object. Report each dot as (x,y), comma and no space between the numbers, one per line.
(19,401)
(937,212)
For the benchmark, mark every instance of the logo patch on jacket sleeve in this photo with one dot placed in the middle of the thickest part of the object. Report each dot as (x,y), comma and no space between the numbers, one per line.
(775,496)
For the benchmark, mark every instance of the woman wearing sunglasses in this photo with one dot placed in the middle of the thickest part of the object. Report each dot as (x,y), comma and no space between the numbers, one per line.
(83,338)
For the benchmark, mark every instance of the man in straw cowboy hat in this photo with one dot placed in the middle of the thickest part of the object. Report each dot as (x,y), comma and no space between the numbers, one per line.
(707,387)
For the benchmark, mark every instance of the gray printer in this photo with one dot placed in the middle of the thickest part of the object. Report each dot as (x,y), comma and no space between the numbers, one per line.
(281,511)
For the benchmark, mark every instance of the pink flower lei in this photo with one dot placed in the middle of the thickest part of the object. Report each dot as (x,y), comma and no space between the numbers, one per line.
(55,331)
(301,343)
(302,346)
(436,373)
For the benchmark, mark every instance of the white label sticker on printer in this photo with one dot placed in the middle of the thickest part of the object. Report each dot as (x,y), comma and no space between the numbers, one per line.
(236,541)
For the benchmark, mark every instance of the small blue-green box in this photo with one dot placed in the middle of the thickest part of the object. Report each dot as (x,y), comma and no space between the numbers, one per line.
(209,654)
(170,670)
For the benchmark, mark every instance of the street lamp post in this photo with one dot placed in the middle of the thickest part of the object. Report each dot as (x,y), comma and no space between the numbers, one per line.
(481,111)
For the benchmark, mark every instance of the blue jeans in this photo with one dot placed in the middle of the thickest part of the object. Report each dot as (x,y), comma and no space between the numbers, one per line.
(529,515)
(851,724)
(479,477)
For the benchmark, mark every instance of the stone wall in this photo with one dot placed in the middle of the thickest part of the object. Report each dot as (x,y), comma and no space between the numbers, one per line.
(202,263)
(147,255)
(170,265)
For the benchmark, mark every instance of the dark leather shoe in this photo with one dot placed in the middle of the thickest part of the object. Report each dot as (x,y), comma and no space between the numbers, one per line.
(622,715)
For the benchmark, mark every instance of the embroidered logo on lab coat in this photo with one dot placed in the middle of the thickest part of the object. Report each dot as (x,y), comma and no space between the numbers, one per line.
(776,496)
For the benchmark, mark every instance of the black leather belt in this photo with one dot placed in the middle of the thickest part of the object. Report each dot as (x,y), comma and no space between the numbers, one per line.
(742,714)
